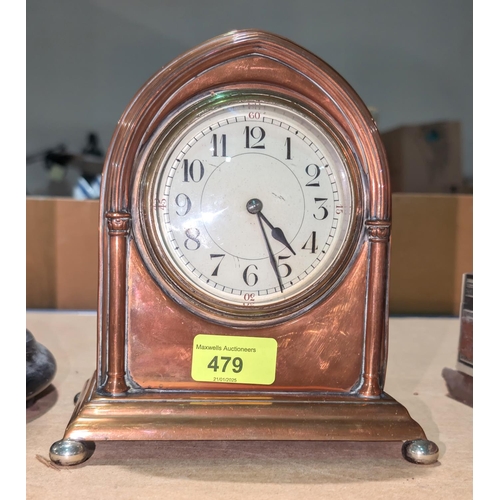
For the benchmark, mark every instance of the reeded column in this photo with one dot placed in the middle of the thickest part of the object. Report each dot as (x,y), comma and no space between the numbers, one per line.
(118,231)
(376,317)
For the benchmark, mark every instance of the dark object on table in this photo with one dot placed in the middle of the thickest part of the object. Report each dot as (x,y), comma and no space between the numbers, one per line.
(459,385)
(465,345)
(40,367)
(459,381)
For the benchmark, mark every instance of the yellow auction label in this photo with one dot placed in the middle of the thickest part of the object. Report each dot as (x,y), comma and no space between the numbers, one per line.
(236,360)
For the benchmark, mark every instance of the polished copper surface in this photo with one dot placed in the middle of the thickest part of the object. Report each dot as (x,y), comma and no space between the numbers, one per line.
(376,312)
(188,416)
(118,230)
(322,352)
(332,357)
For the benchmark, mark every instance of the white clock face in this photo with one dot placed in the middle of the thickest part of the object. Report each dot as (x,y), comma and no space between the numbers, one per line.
(252,203)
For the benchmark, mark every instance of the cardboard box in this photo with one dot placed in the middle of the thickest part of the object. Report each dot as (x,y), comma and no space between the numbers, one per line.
(425,158)
(61,253)
(431,250)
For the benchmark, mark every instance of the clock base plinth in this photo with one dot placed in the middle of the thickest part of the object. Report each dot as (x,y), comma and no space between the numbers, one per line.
(243,416)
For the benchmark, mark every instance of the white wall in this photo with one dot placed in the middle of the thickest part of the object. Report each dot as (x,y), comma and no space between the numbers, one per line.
(85,59)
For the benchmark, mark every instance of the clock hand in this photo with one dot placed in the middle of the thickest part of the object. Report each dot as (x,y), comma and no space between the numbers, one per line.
(254,206)
(270,252)
(277,234)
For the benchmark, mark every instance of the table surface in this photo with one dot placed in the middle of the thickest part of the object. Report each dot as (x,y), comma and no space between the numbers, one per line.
(419,349)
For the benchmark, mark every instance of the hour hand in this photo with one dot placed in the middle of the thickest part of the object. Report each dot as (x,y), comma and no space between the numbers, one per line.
(277,234)
(255,206)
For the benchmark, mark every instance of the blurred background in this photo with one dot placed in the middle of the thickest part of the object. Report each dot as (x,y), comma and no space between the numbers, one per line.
(410,61)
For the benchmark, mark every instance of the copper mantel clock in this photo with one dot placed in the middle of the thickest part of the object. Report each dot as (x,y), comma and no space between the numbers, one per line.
(243,260)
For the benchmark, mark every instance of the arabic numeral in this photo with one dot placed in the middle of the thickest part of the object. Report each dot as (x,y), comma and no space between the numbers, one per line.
(324,214)
(288,145)
(313,171)
(192,242)
(250,278)
(215,144)
(257,134)
(236,364)
(310,244)
(193,171)
(217,256)
(286,266)
(184,203)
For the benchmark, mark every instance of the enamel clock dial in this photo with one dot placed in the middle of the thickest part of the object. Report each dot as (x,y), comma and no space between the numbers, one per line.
(249,209)
(244,243)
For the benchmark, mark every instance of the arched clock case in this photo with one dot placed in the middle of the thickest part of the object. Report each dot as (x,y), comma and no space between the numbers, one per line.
(244,240)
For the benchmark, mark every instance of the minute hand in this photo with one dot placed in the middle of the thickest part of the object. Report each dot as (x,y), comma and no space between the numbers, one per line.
(277,234)
(270,252)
